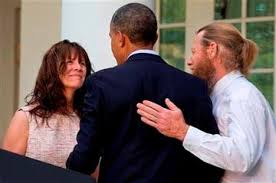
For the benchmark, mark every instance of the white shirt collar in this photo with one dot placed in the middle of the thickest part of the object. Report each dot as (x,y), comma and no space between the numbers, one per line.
(224,82)
(143,51)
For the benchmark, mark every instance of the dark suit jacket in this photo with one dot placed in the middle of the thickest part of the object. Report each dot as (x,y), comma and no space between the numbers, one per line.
(130,150)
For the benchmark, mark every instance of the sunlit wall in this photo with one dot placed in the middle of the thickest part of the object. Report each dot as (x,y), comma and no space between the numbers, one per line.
(87,22)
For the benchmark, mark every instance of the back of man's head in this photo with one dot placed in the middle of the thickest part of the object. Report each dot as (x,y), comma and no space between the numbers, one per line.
(237,53)
(137,21)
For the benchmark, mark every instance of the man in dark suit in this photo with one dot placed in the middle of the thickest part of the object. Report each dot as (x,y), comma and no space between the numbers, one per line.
(131,151)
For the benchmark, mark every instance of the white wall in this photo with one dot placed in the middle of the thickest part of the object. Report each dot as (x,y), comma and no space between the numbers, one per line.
(87,22)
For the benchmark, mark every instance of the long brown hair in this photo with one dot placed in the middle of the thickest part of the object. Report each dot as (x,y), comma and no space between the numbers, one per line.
(239,53)
(47,95)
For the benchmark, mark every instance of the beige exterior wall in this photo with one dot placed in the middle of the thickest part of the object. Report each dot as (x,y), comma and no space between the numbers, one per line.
(40,28)
(8,64)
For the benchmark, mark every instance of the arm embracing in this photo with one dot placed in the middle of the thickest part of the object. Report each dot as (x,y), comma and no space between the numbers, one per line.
(239,149)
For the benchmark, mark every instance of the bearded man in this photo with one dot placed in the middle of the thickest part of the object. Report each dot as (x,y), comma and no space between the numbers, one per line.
(246,146)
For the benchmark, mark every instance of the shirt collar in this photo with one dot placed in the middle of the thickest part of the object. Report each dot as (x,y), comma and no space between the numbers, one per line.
(224,82)
(143,51)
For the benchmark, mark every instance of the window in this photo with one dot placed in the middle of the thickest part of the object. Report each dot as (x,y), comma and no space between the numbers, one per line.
(172,15)
(225,9)
(179,19)
(256,20)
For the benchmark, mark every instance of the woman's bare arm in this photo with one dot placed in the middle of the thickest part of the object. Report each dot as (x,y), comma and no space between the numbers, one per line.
(17,133)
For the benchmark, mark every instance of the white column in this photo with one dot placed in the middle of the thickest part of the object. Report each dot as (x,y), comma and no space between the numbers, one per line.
(40,28)
(87,22)
(198,14)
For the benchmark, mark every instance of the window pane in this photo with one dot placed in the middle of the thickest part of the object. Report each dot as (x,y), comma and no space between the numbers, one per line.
(264,82)
(227,9)
(172,11)
(263,34)
(172,46)
(260,8)
(238,26)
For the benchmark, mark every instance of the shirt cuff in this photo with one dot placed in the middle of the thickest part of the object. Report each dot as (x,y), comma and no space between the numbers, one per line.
(193,138)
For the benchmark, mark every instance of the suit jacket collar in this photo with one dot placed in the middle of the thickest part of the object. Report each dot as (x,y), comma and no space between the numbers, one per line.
(143,51)
(145,57)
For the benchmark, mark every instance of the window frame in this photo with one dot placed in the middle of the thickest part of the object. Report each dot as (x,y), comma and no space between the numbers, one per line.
(167,26)
(193,22)
(243,20)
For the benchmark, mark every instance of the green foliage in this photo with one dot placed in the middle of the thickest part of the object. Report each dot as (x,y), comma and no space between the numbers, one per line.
(227,9)
(263,34)
(173,11)
(172,46)
(257,8)
(264,82)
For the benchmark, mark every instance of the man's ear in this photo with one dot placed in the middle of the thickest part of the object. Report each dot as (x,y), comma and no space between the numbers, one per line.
(121,39)
(212,50)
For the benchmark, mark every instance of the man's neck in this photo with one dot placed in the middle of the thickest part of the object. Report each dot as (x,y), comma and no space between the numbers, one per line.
(220,70)
(219,73)
(132,48)
(140,47)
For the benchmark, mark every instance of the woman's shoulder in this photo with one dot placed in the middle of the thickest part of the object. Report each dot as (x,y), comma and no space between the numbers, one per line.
(16,136)
(28,115)
(27,108)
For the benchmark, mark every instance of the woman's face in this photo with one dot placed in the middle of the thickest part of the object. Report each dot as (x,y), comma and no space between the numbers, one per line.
(74,75)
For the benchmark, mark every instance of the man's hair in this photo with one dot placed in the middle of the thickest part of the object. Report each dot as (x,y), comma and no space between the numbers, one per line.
(137,21)
(237,52)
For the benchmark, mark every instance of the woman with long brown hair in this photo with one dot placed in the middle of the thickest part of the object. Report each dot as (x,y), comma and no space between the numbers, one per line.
(46,128)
